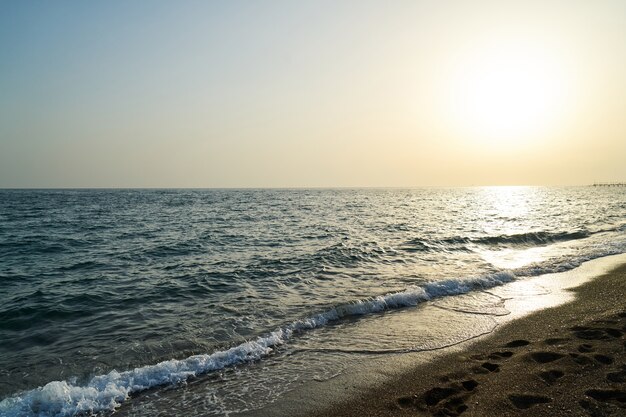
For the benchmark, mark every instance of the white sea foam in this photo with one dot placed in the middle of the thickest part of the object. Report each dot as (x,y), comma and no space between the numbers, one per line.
(106,392)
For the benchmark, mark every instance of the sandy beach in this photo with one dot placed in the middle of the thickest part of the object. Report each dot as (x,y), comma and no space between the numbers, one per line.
(568,360)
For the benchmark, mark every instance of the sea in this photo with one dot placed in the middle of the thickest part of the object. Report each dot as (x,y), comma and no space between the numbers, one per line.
(180,302)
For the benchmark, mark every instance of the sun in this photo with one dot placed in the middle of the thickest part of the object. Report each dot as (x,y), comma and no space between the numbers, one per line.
(506,93)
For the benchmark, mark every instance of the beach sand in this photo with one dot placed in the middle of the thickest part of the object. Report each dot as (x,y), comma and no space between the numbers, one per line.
(568,360)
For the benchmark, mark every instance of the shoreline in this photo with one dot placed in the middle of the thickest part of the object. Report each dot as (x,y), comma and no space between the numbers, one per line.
(567,360)
(563,360)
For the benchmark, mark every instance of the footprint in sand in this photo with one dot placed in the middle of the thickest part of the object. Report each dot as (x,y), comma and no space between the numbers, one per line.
(523,401)
(491,367)
(448,400)
(617,377)
(406,402)
(493,356)
(551,376)
(604,359)
(435,395)
(609,396)
(556,341)
(430,398)
(517,343)
(614,332)
(545,357)
(469,385)
(581,359)
(500,355)
(487,367)
(589,334)
(596,333)
(453,376)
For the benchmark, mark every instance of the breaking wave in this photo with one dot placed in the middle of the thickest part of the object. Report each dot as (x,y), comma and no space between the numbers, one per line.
(458,243)
(107,392)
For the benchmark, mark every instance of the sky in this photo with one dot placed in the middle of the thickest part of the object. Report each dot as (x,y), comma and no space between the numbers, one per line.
(312,93)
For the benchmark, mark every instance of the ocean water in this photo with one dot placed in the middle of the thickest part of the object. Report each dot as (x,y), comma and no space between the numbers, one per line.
(212,302)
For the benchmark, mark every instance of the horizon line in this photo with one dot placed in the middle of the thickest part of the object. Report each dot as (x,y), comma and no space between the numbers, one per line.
(307,187)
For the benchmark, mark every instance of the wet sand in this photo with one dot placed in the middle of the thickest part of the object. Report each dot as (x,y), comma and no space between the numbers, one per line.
(568,360)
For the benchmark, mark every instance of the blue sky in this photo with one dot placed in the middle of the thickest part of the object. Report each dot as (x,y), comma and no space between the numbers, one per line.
(272,94)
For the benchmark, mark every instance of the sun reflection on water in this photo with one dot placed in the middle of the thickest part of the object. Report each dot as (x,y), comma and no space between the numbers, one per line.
(503,207)
(513,259)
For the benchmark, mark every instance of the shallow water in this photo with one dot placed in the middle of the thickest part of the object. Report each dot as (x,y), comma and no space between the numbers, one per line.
(245,293)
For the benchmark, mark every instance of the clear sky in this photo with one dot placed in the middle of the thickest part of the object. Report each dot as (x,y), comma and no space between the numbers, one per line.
(311,93)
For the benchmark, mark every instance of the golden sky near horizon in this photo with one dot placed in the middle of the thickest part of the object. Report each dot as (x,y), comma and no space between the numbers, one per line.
(312,94)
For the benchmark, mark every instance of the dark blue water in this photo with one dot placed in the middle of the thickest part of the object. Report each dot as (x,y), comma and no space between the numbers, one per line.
(104,293)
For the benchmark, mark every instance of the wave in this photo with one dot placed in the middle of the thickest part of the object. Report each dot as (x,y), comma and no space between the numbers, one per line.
(417,245)
(107,392)
(542,238)
(460,243)
(533,238)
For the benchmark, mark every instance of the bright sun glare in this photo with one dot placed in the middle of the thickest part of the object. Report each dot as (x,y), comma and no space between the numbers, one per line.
(507,92)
